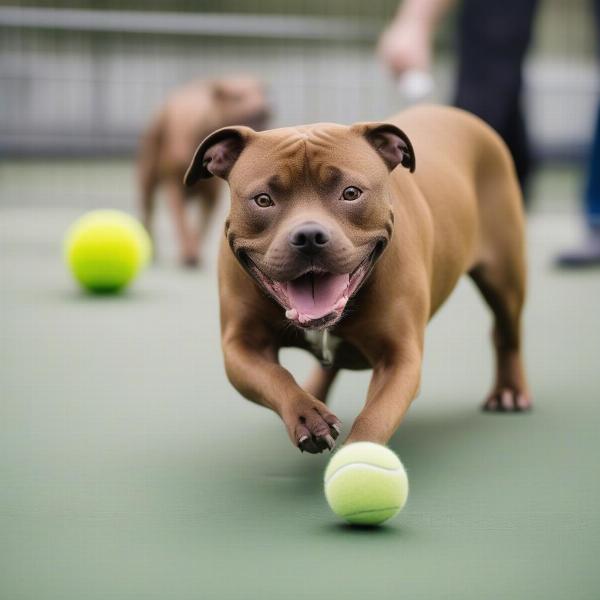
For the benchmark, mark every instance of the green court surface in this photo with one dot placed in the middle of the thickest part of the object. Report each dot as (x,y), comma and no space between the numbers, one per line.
(129,468)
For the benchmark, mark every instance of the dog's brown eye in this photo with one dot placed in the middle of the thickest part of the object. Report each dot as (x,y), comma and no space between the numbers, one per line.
(263,200)
(351,193)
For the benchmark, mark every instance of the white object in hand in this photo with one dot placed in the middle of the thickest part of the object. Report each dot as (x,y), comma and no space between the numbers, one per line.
(415,85)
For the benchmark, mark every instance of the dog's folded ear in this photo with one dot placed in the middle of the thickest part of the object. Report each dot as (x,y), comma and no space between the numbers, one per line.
(390,142)
(217,154)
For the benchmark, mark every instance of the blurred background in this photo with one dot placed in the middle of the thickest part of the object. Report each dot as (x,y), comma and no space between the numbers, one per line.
(83,78)
(130,468)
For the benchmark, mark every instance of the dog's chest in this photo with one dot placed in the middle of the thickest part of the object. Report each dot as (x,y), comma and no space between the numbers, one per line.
(323,345)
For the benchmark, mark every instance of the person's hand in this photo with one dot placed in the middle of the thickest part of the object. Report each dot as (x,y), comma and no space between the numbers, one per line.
(406,46)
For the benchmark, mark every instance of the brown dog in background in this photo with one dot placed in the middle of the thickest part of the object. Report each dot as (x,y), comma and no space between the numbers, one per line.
(187,117)
(345,241)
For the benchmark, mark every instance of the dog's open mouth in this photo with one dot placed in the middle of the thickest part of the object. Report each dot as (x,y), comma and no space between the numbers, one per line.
(316,295)
(318,298)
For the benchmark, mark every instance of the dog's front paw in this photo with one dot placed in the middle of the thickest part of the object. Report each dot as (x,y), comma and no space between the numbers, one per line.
(507,400)
(311,425)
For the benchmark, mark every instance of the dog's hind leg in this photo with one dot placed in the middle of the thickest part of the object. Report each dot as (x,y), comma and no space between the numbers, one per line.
(147,171)
(500,275)
(320,381)
(187,240)
(510,392)
(147,192)
(208,199)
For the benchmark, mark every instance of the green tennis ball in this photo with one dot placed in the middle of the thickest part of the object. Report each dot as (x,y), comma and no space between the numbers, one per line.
(105,250)
(365,483)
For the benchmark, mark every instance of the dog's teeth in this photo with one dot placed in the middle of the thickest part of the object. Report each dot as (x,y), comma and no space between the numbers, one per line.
(291,314)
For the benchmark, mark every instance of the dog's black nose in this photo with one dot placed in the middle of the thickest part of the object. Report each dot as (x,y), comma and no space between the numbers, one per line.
(309,238)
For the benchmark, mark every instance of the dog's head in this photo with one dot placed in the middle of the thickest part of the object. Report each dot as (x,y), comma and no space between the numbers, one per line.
(310,208)
(241,100)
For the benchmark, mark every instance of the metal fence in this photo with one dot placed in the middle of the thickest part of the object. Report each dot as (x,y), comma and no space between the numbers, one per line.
(85,81)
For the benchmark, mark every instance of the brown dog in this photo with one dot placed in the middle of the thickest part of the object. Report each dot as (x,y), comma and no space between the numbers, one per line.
(187,117)
(309,249)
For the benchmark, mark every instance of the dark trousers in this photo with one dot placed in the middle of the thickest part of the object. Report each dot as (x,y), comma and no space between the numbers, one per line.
(493,39)
(592,188)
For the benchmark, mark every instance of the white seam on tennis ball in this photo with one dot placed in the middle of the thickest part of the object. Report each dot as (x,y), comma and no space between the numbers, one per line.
(361,464)
(373,510)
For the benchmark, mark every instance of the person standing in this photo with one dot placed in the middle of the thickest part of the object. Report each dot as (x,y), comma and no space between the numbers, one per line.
(493,42)
(587,253)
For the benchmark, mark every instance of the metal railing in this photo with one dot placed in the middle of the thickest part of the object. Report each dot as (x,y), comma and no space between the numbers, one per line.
(209,25)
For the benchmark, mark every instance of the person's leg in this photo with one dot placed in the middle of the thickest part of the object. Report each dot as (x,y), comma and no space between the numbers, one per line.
(592,191)
(517,140)
(493,41)
(588,253)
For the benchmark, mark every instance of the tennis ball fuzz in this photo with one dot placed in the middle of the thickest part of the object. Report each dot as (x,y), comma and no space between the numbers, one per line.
(365,483)
(105,249)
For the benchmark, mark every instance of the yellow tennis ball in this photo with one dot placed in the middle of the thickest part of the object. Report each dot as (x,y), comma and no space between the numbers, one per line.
(365,483)
(105,249)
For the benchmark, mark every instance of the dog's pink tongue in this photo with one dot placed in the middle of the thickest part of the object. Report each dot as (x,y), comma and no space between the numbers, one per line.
(316,295)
